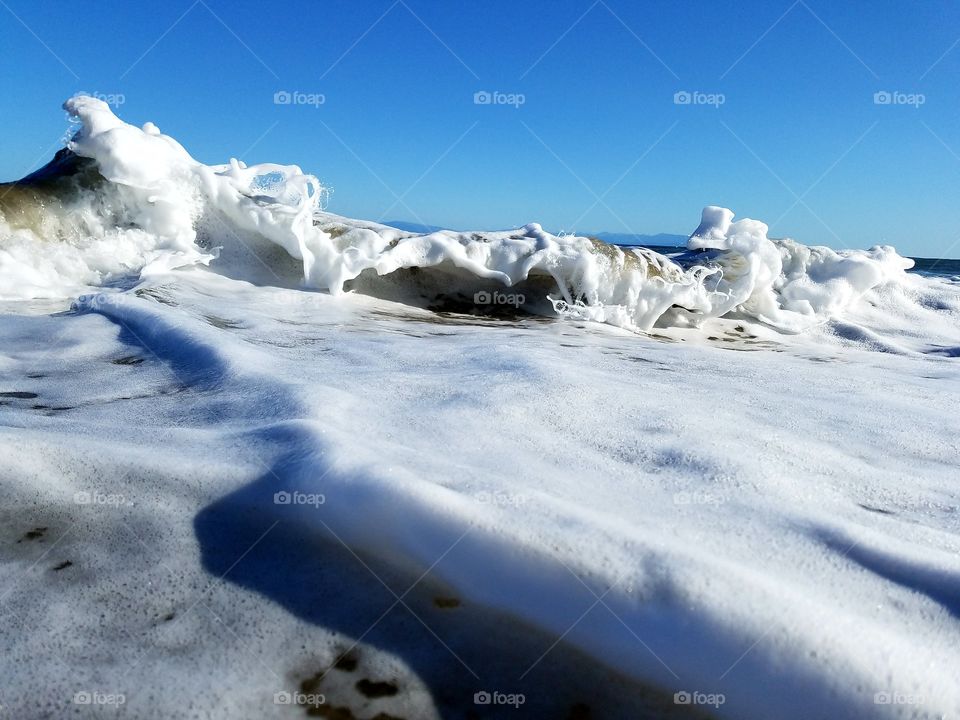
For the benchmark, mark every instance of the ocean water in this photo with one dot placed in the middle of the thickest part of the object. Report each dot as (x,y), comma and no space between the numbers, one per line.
(937,267)
(260,455)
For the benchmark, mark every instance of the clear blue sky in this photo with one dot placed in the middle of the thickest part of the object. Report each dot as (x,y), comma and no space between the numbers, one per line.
(598,79)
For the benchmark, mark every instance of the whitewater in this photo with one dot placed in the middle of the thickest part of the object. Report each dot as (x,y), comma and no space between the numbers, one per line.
(253,448)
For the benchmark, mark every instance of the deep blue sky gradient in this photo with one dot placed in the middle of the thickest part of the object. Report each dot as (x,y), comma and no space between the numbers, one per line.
(599,143)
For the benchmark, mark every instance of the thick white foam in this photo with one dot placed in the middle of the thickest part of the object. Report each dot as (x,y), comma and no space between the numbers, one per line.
(764,525)
(779,527)
(174,211)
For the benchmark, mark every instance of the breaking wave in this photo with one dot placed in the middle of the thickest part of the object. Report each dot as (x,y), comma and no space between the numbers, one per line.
(121,203)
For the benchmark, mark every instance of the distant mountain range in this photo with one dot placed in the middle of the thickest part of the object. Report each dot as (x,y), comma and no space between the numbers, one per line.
(658,240)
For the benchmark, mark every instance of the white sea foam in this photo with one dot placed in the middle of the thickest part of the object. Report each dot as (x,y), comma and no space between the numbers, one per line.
(169,210)
(777,526)
(764,525)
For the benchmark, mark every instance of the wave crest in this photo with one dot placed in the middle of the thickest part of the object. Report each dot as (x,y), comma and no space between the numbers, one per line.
(124,202)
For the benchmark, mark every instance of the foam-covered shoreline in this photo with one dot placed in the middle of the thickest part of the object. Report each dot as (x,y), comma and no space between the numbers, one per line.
(776,527)
(761,582)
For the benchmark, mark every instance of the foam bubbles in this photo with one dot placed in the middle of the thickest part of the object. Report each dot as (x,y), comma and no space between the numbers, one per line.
(156,209)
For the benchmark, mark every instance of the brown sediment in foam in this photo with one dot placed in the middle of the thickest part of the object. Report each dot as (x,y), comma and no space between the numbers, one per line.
(641,259)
